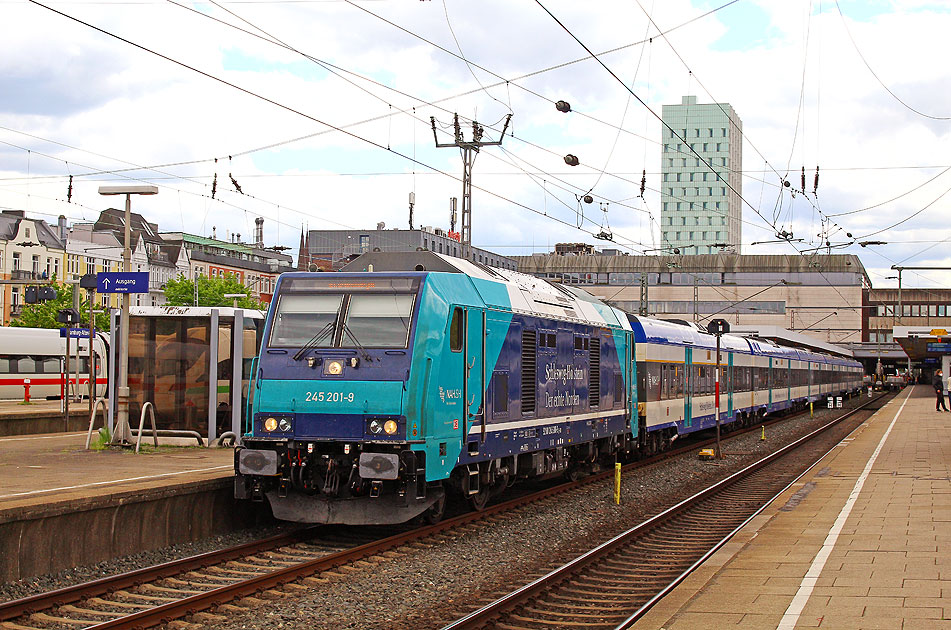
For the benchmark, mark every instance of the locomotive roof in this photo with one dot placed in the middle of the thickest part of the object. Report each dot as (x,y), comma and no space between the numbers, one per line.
(531,294)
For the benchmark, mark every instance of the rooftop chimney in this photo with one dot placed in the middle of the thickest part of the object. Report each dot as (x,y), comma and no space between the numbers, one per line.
(61,225)
(259,232)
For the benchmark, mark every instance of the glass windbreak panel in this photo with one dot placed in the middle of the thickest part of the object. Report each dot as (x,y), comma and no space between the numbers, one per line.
(300,317)
(379,321)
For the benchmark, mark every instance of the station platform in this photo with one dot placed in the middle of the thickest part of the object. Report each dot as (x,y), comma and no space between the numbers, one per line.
(64,506)
(43,416)
(862,540)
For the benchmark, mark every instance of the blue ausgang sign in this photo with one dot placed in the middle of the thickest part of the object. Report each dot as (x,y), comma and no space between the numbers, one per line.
(75,333)
(122,282)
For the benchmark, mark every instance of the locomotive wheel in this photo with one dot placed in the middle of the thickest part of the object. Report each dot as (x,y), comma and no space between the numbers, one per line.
(479,500)
(436,512)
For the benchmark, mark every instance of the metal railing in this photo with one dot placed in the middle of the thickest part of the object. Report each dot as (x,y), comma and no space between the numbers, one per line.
(92,418)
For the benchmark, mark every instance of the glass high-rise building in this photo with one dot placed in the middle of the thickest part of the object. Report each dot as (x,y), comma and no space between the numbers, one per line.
(700,202)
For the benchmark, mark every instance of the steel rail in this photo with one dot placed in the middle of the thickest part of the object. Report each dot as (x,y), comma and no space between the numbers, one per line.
(479,617)
(207,599)
(18,607)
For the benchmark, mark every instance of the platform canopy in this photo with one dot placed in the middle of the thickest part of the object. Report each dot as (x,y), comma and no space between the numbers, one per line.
(924,344)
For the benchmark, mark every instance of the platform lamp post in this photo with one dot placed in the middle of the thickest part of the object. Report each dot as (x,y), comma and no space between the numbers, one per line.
(123,434)
(718,328)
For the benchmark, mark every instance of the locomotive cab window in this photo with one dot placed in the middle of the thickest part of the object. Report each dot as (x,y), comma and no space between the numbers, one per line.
(377,320)
(300,318)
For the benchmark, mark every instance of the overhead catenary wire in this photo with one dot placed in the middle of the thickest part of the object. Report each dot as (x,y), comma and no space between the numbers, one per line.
(875,74)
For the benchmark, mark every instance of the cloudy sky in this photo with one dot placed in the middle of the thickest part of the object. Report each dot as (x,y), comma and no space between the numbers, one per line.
(320,110)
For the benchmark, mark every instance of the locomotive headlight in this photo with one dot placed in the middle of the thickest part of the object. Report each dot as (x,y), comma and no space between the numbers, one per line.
(334,368)
(390,427)
(270,424)
(284,425)
(375,427)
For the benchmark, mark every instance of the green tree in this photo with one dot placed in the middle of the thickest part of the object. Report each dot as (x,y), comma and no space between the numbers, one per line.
(43,315)
(211,292)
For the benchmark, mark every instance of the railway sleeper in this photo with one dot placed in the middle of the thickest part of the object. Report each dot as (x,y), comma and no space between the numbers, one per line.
(631,566)
(588,602)
(595,614)
(553,598)
(47,618)
(602,585)
(180,592)
(70,608)
(609,576)
(9,625)
(230,574)
(142,596)
(547,623)
(108,602)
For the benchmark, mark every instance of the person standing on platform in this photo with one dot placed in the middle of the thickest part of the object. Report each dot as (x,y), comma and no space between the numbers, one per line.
(948,390)
(938,383)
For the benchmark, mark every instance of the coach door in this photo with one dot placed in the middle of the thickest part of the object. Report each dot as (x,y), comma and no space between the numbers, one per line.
(729,385)
(688,387)
(474,384)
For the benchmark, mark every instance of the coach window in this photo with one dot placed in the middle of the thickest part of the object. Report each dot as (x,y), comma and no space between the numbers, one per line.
(653,382)
(4,365)
(665,388)
(455,330)
(50,365)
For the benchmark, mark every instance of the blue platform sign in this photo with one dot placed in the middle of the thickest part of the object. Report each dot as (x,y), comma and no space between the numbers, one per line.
(75,333)
(122,282)
(940,347)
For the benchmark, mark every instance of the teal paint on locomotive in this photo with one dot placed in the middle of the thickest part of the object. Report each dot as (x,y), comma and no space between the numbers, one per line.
(436,382)
(331,397)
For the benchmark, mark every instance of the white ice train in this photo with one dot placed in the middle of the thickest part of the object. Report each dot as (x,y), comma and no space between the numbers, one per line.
(37,355)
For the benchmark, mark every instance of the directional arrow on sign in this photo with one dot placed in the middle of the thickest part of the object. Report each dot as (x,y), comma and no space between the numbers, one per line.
(106,282)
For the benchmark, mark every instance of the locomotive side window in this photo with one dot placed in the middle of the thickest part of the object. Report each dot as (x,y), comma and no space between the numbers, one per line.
(377,320)
(455,330)
(500,399)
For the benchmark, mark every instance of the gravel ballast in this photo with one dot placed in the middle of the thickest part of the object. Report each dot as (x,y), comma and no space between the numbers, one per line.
(428,585)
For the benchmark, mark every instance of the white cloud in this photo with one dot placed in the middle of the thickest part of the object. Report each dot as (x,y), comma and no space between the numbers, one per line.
(68,83)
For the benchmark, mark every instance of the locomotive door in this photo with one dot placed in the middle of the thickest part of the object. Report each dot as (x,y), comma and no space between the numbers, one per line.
(474,383)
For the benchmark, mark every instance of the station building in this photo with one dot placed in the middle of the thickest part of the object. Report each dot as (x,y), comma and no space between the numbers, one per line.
(30,249)
(252,264)
(821,296)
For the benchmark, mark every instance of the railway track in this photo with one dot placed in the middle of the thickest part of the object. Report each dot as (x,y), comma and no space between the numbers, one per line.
(236,579)
(612,585)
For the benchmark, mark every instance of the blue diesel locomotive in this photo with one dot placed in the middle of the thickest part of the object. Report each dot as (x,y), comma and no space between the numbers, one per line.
(377,395)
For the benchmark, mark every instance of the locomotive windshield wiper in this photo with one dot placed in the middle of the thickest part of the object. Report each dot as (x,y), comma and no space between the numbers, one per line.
(356,342)
(328,328)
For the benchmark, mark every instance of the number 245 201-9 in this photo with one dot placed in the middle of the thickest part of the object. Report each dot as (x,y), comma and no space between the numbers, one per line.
(329,397)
